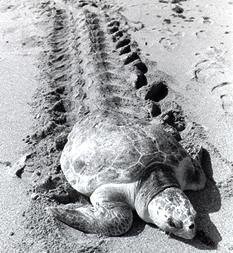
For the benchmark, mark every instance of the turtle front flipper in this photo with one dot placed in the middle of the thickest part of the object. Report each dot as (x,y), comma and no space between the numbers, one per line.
(195,177)
(111,218)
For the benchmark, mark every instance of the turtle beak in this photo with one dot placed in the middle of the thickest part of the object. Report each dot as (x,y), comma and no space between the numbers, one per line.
(188,235)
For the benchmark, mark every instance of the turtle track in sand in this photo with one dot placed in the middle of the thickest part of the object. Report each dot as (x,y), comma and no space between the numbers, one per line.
(83,69)
(89,62)
(108,62)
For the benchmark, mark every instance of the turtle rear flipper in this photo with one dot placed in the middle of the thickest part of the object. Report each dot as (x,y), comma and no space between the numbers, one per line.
(109,218)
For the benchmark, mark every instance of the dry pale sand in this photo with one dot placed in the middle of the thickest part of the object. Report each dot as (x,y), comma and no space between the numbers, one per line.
(18,84)
(189,42)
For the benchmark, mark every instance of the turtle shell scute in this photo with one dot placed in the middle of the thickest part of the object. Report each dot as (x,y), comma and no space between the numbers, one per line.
(128,156)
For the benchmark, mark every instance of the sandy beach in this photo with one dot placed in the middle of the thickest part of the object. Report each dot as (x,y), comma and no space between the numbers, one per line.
(186,44)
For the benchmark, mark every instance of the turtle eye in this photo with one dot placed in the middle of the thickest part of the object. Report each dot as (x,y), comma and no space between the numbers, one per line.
(171,223)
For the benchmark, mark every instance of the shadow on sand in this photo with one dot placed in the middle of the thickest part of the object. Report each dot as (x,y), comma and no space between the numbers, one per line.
(205,202)
(137,228)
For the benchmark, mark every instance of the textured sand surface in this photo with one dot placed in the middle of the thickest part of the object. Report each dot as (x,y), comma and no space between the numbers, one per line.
(17,82)
(189,42)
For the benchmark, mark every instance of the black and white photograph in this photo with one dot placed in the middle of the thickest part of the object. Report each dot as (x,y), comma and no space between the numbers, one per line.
(116,126)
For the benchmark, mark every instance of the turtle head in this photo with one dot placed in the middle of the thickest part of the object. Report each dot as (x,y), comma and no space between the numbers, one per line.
(172,212)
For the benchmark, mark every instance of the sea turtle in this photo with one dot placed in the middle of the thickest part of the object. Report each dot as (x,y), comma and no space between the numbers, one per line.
(125,165)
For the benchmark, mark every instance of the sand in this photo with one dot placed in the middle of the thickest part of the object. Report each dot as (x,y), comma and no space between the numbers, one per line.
(18,84)
(188,42)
